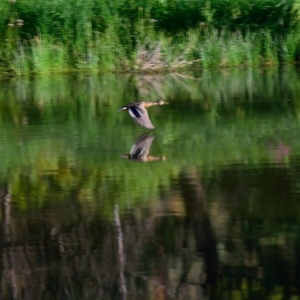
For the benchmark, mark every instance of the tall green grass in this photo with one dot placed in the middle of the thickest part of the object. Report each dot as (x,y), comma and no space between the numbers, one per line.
(99,35)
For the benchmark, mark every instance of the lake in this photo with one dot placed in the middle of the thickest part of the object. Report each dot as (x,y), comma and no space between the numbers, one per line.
(213,211)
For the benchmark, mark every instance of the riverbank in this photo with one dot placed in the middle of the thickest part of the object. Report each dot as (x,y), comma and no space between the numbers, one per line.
(157,36)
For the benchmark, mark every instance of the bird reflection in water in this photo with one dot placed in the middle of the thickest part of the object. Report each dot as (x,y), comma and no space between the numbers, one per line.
(140,149)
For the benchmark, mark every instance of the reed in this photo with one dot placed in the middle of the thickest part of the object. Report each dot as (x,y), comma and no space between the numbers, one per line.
(98,35)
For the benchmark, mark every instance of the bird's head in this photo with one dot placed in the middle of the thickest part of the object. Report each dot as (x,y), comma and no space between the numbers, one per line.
(161,102)
(123,108)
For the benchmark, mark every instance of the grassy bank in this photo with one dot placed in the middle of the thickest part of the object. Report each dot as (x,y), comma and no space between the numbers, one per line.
(97,35)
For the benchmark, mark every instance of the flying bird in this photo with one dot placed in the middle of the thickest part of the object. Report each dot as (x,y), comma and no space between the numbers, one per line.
(139,113)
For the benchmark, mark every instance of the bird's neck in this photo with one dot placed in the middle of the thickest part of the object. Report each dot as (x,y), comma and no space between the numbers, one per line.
(153,158)
(148,104)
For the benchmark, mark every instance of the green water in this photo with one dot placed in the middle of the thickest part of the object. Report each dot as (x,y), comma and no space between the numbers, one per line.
(214,216)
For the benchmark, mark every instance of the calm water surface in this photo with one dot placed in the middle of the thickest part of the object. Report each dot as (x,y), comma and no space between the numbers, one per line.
(213,212)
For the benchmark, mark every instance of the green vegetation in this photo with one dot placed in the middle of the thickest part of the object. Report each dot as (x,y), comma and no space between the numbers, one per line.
(98,35)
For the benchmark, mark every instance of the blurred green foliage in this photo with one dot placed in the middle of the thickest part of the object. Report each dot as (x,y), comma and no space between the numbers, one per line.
(98,35)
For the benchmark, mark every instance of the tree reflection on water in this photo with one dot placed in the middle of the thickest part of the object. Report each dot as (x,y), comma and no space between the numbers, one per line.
(213,214)
(180,248)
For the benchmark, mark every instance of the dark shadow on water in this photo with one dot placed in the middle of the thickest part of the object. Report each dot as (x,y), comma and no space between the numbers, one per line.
(198,225)
(166,250)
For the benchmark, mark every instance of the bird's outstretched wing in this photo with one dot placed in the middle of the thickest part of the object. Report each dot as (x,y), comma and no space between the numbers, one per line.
(141,117)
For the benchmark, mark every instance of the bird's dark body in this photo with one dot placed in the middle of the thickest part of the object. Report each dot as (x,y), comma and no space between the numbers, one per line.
(138,111)
(135,112)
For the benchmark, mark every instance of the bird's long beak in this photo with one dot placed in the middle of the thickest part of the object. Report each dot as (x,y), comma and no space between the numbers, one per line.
(122,108)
